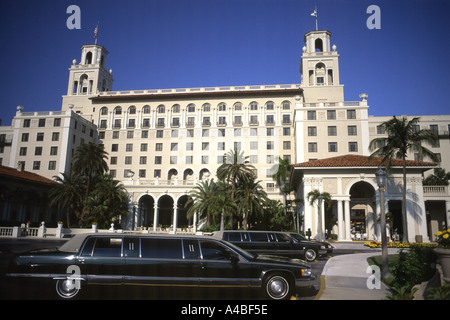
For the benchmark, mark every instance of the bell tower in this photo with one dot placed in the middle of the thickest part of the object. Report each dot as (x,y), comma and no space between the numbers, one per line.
(319,67)
(90,77)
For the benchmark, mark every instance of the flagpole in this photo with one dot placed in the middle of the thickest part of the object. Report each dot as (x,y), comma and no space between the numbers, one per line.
(317,25)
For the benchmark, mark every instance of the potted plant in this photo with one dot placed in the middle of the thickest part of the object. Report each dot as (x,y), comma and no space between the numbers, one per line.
(443,252)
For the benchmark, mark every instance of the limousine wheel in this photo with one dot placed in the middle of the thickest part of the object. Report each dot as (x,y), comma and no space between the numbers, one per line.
(277,287)
(310,254)
(66,289)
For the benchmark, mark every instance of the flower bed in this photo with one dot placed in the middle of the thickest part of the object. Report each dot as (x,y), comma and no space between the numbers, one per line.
(399,245)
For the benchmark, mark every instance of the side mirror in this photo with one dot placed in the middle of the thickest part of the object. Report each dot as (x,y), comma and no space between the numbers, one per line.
(232,257)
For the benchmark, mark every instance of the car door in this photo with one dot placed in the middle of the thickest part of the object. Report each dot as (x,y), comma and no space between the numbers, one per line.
(259,243)
(161,263)
(101,260)
(287,246)
(222,267)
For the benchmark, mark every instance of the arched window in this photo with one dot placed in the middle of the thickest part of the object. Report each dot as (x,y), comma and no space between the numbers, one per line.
(206,107)
(118,110)
(176,108)
(161,109)
(103,111)
(146,109)
(222,106)
(84,83)
(191,108)
(270,105)
(320,73)
(318,44)
(88,58)
(132,110)
(254,106)
(237,106)
(286,105)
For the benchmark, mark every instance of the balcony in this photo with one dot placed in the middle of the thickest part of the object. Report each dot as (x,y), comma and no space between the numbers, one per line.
(436,193)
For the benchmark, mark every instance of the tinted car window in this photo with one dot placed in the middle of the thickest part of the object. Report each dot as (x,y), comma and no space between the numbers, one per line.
(283,238)
(88,246)
(245,236)
(214,251)
(258,237)
(234,236)
(131,247)
(190,249)
(161,248)
(272,237)
(108,247)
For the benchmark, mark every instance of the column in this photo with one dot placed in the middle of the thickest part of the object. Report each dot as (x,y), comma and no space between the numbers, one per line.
(175,217)
(155,216)
(447,212)
(347,220)
(341,235)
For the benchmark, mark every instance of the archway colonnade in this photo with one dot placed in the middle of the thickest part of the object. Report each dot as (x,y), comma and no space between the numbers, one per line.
(162,212)
(355,207)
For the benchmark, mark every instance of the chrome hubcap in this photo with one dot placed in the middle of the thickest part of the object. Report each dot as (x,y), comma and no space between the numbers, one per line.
(277,288)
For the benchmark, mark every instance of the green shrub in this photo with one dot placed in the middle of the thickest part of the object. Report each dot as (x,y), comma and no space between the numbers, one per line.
(414,266)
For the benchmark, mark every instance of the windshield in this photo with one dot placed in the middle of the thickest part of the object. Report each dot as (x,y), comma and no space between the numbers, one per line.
(297,237)
(246,254)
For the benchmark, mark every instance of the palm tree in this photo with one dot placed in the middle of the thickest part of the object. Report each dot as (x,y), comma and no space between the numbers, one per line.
(275,217)
(403,137)
(206,198)
(250,200)
(67,193)
(234,170)
(283,169)
(89,162)
(110,195)
(313,197)
(438,178)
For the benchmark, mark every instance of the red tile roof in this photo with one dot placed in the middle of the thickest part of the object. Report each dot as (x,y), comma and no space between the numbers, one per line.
(24,175)
(358,161)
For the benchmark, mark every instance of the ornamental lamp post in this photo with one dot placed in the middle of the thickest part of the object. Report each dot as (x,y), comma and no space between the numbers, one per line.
(381,181)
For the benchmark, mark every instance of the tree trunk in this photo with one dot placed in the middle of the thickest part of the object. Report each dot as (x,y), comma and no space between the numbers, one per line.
(404,215)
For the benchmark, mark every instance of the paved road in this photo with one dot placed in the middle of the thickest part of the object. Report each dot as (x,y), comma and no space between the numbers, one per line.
(8,247)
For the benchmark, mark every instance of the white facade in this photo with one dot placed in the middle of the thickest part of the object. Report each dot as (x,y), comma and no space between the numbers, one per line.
(161,142)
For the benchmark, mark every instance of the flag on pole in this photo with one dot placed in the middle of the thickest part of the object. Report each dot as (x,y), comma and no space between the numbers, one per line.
(96,32)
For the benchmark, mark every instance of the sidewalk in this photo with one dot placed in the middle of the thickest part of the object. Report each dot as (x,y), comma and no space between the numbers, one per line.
(345,277)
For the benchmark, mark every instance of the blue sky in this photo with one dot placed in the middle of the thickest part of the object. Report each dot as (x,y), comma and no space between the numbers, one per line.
(403,67)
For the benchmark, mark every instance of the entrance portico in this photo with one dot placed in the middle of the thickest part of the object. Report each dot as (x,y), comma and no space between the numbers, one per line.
(351,182)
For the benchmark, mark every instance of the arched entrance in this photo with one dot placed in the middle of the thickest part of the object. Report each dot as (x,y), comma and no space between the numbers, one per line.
(165,217)
(362,210)
(183,222)
(145,211)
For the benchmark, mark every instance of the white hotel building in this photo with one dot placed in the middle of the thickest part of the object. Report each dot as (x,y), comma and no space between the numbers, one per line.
(162,142)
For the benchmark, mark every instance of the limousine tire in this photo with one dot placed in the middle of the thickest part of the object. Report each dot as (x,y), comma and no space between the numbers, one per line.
(277,286)
(66,290)
(310,254)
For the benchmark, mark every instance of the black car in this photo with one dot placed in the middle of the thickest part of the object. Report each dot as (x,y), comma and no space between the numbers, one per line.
(328,246)
(273,243)
(156,260)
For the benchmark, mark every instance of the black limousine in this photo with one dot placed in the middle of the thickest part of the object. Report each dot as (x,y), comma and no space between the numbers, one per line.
(273,243)
(159,260)
(298,237)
